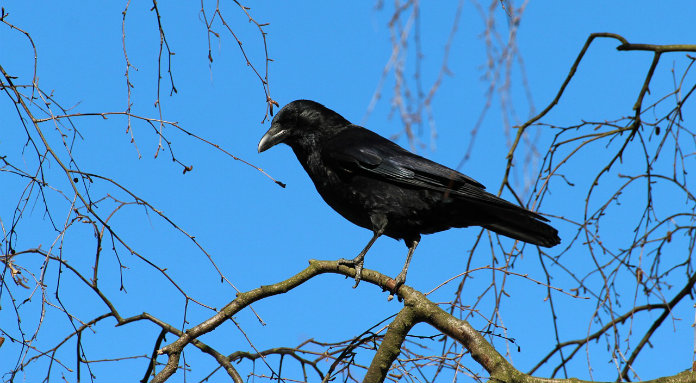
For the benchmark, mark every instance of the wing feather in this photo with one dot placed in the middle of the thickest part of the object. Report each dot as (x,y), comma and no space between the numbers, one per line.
(356,150)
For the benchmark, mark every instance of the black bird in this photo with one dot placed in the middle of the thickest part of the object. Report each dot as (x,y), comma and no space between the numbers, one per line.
(376,184)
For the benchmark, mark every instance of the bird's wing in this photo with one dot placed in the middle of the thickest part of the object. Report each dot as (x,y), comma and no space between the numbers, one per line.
(356,150)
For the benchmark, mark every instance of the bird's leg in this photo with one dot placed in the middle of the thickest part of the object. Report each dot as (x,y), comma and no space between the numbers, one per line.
(358,261)
(401,278)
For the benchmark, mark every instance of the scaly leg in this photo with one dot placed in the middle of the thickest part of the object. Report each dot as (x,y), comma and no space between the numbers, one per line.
(401,278)
(358,261)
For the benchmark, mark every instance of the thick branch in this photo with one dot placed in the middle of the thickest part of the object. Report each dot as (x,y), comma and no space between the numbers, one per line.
(391,344)
(418,308)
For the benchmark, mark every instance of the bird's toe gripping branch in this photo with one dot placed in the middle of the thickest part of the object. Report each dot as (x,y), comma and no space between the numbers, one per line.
(356,263)
(401,278)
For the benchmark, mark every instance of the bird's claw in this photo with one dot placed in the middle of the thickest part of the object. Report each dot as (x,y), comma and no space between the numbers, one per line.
(357,264)
(398,281)
(358,274)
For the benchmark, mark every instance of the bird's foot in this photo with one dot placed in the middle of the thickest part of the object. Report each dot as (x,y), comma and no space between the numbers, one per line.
(398,281)
(356,263)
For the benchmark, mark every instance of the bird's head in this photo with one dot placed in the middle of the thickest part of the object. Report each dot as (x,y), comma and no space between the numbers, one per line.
(300,123)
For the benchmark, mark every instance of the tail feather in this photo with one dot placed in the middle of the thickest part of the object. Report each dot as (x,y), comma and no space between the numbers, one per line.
(525,228)
(484,209)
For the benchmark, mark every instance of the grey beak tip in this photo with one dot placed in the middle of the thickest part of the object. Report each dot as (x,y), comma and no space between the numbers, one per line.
(263,144)
(270,139)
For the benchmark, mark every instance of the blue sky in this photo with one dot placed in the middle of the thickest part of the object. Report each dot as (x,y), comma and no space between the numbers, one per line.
(259,233)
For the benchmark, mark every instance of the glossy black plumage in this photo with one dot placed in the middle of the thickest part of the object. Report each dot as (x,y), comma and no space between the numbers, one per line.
(378,185)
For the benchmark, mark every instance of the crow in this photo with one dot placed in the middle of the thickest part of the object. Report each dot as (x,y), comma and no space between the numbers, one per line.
(376,184)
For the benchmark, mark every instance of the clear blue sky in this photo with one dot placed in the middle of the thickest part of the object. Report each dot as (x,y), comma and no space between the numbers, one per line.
(259,233)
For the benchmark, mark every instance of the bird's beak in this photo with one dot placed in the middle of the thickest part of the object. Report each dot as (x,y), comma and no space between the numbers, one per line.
(274,136)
